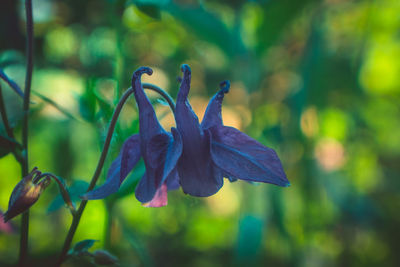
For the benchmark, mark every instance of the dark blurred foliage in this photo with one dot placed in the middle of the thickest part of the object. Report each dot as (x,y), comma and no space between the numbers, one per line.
(318,81)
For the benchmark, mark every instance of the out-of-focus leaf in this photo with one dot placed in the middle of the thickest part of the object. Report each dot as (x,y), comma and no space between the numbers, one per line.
(249,239)
(87,102)
(11,83)
(83,246)
(137,245)
(208,27)
(201,22)
(278,14)
(151,7)
(75,190)
(158,3)
(11,57)
(54,104)
(150,10)
(105,107)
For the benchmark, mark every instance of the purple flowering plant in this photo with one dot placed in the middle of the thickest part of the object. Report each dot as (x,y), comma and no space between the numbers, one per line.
(195,156)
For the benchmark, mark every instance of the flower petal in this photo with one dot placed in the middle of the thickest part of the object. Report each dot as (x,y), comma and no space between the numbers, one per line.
(242,157)
(173,154)
(149,125)
(198,175)
(213,116)
(161,156)
(130,155)
(127,159)
(187,121)
(172,180)
(111,185)
(160,199)
(185,83)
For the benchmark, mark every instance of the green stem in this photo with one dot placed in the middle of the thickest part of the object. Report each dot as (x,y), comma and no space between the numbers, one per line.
(78,215)
(63,189)
(108,224)
(23,252)
(76,218)
(160,91)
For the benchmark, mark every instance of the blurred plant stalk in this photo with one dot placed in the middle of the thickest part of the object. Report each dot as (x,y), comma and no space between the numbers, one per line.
(23,252)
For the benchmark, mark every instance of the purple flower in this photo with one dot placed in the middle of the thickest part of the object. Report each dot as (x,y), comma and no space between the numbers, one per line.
(159,149)
(195,156)
(212,151)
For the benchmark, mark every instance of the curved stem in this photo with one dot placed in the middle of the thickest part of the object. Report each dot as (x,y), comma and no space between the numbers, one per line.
(63,189)
(23,252)
(164,94)
(77,216)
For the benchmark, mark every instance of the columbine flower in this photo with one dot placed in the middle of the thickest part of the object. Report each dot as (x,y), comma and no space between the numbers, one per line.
(25,194)
(212,151)
(196,156)
(159,149)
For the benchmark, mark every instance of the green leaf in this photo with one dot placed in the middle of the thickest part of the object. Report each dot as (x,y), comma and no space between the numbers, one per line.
(158,3)
(278,14)
(77,189)
(137,245)
(208,27)
(249,239)
(54,104)
(83,246)
(11,57)
(202,23)
(150,10)
(151,7)
(11,83)
(87,102)
(106,108)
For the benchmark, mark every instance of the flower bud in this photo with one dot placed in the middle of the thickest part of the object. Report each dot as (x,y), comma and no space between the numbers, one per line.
(25,194)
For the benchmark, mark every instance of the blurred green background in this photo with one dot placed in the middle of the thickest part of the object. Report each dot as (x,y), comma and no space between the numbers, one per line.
(318,81)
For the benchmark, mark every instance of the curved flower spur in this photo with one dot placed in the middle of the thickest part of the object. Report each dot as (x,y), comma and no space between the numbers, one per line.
(212,150)
(159,149)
